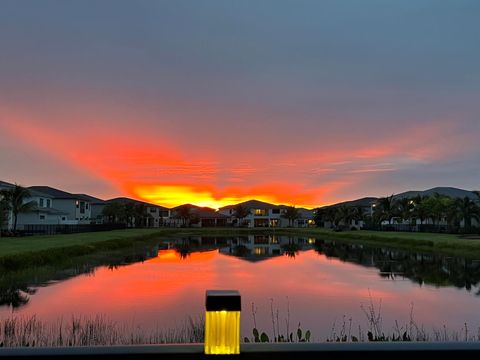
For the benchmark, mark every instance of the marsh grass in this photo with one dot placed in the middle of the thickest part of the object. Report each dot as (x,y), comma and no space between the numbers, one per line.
(410,330)
(91,331)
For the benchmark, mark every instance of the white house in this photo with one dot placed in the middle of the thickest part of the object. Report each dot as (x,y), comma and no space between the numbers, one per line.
(262,214)
(77,208)
(96,207)
(43,213)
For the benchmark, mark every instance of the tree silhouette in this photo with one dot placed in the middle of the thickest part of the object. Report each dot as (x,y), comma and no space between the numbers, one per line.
(184,213)
(291,214)
(4,208)
(240,212)
(384,209)
(16,199)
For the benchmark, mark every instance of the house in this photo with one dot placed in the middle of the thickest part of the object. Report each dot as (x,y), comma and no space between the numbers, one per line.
(155,216)
(96,206)
(77,208)
(263,214)
(259,214)
(188,214)
(43,212)
(306,218)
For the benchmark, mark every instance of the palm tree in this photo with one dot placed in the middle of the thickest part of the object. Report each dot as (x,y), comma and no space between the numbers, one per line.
(184,213)
(16,199)
(240,212)
(141,215)
(436,207)
(128,213)
(358,214)
(323,215)
(419,210)
(344,213)
(468,210)
(385,209)
(405,207)
(291,214)
(113,211)
(3,212)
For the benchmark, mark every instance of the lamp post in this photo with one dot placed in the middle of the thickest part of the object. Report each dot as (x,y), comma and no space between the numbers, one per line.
(222,322)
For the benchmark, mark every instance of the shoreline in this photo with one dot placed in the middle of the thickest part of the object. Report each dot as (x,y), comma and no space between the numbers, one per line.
(40,250)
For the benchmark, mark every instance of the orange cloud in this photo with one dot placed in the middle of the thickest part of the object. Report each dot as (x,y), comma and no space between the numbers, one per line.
(155,168)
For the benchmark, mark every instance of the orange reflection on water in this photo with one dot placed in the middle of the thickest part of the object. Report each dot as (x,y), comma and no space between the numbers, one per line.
(165,290)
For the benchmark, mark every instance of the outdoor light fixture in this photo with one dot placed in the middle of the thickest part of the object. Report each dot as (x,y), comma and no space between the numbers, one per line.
(222,322)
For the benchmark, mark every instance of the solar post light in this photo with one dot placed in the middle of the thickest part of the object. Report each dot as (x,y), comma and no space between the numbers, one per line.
(222,322)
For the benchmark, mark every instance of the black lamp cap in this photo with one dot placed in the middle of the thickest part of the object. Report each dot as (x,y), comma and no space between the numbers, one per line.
(218,300)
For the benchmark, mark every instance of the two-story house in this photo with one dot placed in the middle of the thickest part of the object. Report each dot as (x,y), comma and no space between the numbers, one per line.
(259,214)
(77,208)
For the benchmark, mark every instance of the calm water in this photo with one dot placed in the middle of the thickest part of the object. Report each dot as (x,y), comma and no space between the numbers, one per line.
(316,282)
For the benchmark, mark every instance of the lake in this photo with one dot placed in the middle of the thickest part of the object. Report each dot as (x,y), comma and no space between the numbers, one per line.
(316,283)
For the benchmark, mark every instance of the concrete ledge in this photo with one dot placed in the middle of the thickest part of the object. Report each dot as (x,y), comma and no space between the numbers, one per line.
(249,351)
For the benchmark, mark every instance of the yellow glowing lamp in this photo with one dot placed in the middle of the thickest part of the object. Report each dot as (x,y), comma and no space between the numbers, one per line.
(222,322)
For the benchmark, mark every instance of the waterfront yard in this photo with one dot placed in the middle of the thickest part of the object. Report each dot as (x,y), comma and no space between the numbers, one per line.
(40,250)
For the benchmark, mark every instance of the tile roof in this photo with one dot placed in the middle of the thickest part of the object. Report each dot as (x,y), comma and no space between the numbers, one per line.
(254,204)
(124,200)
(54,193)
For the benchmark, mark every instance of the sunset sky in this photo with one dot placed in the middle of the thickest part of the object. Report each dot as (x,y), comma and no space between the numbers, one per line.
(214,102)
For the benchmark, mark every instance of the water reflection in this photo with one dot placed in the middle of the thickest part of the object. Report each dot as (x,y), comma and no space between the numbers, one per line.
(16,288)
(420,268)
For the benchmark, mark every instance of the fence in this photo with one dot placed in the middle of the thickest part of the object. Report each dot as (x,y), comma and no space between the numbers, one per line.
(415,228)
(52,229)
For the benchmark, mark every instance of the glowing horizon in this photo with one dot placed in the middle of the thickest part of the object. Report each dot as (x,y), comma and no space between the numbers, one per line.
(174,195)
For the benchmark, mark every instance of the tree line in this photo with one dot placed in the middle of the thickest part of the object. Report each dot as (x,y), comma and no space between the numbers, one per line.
(129,213)
(457,213)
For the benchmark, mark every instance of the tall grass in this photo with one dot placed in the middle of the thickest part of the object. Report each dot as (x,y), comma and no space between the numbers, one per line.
(90,331)
(409,331)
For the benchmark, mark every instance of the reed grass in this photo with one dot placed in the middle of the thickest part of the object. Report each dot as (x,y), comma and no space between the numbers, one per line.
(19,331)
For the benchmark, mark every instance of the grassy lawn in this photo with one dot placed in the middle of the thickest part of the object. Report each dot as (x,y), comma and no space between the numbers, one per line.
(446,244)
(17,245)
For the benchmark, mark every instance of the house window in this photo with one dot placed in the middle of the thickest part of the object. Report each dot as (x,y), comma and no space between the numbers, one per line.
(275,211)
(82,207)
(42,217)
(64,218)
(260,212)
(274,222)
(260,251)
(86,206)
(41,202)
(153,210)
(49,203)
